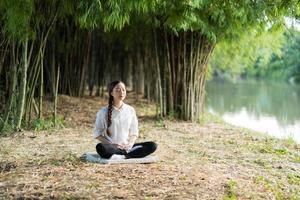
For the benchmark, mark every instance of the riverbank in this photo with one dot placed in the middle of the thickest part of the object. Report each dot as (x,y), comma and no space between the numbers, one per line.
(213,160)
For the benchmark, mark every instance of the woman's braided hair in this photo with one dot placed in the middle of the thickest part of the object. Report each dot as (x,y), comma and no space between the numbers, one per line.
(111,86)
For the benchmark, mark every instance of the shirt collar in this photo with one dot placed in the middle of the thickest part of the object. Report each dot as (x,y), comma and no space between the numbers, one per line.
(120,109)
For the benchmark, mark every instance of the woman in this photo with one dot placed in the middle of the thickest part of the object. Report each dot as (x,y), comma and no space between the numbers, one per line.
(117,128)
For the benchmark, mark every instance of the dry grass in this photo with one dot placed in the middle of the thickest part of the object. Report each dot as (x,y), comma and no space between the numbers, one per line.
(210,161)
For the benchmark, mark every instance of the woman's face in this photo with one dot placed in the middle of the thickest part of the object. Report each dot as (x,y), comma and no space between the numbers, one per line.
(119,92)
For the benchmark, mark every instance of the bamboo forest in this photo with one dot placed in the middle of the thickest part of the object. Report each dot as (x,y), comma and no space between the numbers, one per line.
(214,85)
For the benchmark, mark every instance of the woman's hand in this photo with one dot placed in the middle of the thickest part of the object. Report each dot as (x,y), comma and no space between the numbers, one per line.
(126,146)
(130,143)
(121,146)
(129,146)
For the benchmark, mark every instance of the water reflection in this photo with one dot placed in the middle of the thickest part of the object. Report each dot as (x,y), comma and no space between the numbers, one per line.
(263,106)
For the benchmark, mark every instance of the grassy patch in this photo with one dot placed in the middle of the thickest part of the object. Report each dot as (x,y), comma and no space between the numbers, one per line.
(296,158)
(36,125)
(261,180)
(69,158)
(7,129)
(56,162)
(262,163)
(160,122)
(196,155)
(269,147)
(208,117)
(289,142)
(47,124)
(231,193)
(293,179)
(281,151)
(278,188)
(73,159)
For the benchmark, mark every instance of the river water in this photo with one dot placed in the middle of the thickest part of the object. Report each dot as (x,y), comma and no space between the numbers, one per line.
(270,107)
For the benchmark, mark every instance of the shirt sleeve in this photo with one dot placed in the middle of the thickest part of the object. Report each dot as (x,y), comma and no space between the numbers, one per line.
(100,124)
(134,130)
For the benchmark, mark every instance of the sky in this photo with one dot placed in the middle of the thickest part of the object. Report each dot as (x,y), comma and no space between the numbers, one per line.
(292,22)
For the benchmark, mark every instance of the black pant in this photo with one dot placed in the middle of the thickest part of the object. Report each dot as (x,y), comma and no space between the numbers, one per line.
(145,149)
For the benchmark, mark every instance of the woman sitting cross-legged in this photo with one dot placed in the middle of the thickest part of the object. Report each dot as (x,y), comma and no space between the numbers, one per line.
(117,128)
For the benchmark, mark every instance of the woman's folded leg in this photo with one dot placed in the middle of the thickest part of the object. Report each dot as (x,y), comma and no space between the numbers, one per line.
(107,150)
(140,150)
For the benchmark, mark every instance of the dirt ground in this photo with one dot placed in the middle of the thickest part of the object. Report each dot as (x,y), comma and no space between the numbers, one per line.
(213,160)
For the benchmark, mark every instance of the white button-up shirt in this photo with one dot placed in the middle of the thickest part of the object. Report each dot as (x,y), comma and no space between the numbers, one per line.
(124,124)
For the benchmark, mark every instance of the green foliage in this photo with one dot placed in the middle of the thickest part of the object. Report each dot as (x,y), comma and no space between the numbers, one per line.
(219,20)
(172,115)
(110,15)
(6,128)
(89,13)
(46,124)
(272,55)
(61,23)
(233,58)
(287,66)
(17,18)
(42,124)
(216,20)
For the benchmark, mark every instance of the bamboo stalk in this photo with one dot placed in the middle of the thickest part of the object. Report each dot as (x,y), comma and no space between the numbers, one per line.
(4,55)
(170,102)
(178,80)
(158,75)
(40,116)
(55,96)
(32,82)
(85,65)
(22,95)
(184,96)
(12,94)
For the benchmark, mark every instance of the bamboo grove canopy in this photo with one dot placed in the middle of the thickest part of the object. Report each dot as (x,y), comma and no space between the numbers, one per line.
(159,48)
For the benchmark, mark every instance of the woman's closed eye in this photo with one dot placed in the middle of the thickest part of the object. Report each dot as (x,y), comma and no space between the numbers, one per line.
(120,90)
